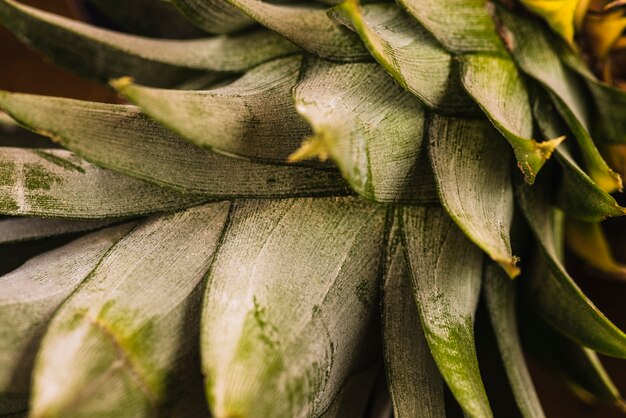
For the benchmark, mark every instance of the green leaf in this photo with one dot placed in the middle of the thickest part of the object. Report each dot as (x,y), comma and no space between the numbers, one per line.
(579,367)
(27,229)
(536,56)
(472,172)
(554,294)
(252,118)
(56,183)
(214,16)
(352,401)
(12,135)
(499,90)
(446,270)
(115,136)
(558,13)
(290,303)
(369,126)
(414,381)
(500,299)
(147,17)
(460,25)
(306,25)
(410,53)
(103,54)
(129,333)
(30,295)
(579,196)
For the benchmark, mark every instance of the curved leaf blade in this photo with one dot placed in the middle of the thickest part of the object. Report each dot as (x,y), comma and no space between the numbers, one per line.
(103,54)
(497,87)
(129,331)
(297,327)
(56,183)
(446,271)
(472,172)
(410,53)
(369,126)
(27,229)
(32,293)
(214,16)
(115,136)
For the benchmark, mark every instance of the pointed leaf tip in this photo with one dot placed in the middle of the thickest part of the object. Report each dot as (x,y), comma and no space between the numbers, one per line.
(121,83)
(312,147)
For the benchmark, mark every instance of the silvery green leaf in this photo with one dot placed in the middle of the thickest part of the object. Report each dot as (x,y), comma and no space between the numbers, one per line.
(57,183)
(413,57)
(446,271)
(537,57)
(125,343)
(113,136)
(306,24)
(253,117)
(214,16)
(370,128)
(20,229)
(498,88)
(414,381)
(30,295)
(554,293)
(471,163)
(289,306)
(460,25)
(500,297)
(103,54)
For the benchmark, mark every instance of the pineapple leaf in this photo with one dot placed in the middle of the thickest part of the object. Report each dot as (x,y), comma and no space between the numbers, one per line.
(288,310)
(470,162)
(32,293)
(414,381)
(114,136)
(306,25)
(500,299)
(103,54)
(558,13)
(446,270)
(497,87)
(554,293)
(370,127)
(133,324)
(537,57)
(410,53)
(460,25)
(353,401)
(27,229)
(213,16)
(56,183)
(253,117)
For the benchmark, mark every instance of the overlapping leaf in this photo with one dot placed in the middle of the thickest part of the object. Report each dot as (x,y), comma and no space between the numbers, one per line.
(446,270)
(289,304)
(214,16)
(115,136)
(103,54)
(26,229)
(129,333)
(369,126)
(472,171)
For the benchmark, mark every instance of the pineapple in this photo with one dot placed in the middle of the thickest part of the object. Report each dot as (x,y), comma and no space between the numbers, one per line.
(322,208)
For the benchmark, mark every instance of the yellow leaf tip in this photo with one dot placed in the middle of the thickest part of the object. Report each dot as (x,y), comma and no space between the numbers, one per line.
(312,147)
(121,83)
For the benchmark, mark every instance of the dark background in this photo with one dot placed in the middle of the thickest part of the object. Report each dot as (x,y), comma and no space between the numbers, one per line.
(21,70)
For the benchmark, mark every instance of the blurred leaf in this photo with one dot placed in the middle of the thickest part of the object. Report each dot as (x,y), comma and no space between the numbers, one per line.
(129,333)
(472,172)
(537,57)
(446,270)
(460,25)
(558,13)
(410,53)
(33,293)
(498,88)
(414,381)
(289,307)
(117,136)
(501,305)
(103,54)
(56,183)
(369,126)
(554,294)
(253,117)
